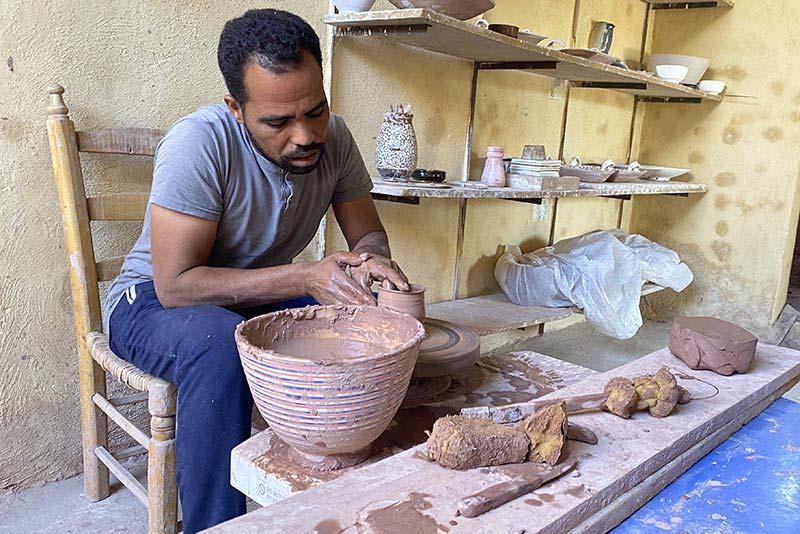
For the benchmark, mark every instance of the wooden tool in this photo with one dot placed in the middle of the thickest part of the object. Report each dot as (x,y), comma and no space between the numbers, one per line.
(512,413)
(499,494)
(581,433)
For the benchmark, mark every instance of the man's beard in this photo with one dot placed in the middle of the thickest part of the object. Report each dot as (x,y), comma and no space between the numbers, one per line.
(284,161)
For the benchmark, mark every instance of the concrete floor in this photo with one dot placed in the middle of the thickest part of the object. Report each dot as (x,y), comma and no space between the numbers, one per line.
(60,507)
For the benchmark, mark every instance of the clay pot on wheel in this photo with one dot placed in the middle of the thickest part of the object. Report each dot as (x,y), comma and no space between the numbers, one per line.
(329,379)
(411,302)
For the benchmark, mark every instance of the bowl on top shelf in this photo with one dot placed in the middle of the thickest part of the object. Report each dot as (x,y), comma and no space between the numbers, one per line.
(697,65)
(459,9)
(347,6)
(712,87)
(672,73)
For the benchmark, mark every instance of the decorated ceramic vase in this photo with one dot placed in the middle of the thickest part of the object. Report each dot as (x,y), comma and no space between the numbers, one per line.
(396,147)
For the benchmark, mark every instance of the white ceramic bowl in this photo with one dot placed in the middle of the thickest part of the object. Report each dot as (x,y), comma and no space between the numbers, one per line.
(345,6)
(697,65)
(712,87)
(460,9)
(672,73)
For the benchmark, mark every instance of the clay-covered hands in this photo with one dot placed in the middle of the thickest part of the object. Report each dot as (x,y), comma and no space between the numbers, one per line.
(381,269)
(327,280)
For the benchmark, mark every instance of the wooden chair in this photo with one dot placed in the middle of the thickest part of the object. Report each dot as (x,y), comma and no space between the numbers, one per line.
(95,358)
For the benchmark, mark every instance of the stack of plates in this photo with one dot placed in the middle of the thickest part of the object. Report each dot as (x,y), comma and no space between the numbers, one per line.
(543,168)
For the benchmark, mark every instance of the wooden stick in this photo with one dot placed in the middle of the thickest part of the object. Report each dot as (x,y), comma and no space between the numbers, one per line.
(516,412)
(581,433)
(499,494)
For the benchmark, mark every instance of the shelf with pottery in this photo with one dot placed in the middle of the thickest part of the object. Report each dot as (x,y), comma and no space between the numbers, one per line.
(411,192)
(492,314)
(688,4)
(422,28)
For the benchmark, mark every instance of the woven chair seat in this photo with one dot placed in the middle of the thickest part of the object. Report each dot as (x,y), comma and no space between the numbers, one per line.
(125,372)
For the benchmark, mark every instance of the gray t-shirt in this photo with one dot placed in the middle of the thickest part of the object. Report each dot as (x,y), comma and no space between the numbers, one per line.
(207,166)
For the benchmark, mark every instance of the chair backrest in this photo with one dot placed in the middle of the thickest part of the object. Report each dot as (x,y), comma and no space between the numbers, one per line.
(77,211)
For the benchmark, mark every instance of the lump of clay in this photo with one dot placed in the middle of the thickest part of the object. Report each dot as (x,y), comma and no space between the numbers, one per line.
(659,393)
(547,431)
(621,396)
(712,344)
(466,443)
(684,395)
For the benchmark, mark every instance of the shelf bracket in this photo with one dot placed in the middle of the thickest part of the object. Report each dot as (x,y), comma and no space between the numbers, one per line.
(670,99)
(518,65)
(414,201)
(689,5)
(386,31)
(526,200)
(611,85)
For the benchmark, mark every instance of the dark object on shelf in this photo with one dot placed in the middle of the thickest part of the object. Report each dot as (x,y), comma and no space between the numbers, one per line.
(505,29)
(425,175)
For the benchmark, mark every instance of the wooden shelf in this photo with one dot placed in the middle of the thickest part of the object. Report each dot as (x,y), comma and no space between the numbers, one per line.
(422,28)
(410,193)
(689,4)
(492,314)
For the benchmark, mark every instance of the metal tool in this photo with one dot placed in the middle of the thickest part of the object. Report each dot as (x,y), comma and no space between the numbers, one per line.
(512,413)
(499,494)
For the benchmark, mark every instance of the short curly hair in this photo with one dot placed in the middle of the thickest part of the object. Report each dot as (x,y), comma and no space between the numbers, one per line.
(271,38)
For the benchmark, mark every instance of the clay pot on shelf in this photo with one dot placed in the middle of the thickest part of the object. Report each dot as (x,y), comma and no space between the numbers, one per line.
(396,146)
(329,379)
(494,172)
(411,302)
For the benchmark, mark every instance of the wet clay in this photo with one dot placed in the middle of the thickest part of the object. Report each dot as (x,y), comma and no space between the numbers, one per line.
(411,302)
(326,349)
(706,343)
(404,517)
(547,430)
(466,443)
(279,463)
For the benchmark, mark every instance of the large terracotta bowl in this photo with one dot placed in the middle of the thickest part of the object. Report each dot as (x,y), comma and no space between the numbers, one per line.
(329,379)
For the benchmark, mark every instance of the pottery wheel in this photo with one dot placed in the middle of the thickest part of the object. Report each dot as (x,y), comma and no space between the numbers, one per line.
(447,349)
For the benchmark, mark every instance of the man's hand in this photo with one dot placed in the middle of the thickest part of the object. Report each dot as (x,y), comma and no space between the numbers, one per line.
(379,268)
(327,281)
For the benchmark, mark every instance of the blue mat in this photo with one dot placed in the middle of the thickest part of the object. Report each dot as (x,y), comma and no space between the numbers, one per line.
(749,483)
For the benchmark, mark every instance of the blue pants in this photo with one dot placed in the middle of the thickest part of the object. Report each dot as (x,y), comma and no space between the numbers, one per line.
(193,348)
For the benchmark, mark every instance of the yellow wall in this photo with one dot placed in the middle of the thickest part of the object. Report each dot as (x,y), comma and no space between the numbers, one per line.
(739,237)
(143,63)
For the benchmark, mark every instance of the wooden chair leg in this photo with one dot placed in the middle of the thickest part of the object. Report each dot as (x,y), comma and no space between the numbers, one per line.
(162,494)
(94,425)
(162,489)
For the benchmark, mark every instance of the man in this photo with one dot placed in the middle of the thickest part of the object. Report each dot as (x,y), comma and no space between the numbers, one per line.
(238,191)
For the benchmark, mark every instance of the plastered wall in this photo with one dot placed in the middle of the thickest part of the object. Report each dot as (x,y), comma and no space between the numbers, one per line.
(142,63)
(739,237)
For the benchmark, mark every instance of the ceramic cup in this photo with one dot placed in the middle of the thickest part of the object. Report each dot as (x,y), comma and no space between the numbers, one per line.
(533,152)
(411,302)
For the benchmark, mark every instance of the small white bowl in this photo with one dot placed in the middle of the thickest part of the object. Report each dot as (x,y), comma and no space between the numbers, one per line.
(349,6)
(672,73)
(712,87)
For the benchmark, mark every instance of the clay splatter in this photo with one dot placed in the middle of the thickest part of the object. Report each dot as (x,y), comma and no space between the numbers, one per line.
(327,526)
(10,64)
(772,134)
(546,497)
(579,492)
(534,502)
(734,72)
(405,516)
(696,157)
(721,250)
(721,228)
(725,179)
(278,462)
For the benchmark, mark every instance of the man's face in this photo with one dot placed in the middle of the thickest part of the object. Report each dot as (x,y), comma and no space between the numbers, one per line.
(285,114)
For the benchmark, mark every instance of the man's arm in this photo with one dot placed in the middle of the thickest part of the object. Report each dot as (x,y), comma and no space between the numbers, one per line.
(364,233)
(181,245)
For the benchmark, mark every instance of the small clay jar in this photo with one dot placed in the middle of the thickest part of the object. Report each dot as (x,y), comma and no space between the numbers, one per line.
(494,173)
(411,302)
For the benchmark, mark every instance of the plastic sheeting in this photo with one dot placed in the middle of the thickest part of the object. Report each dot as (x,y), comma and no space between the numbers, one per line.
(600,272)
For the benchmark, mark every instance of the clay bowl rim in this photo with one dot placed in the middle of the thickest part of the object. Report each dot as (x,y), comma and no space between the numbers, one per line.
(415,289)
(270,355)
